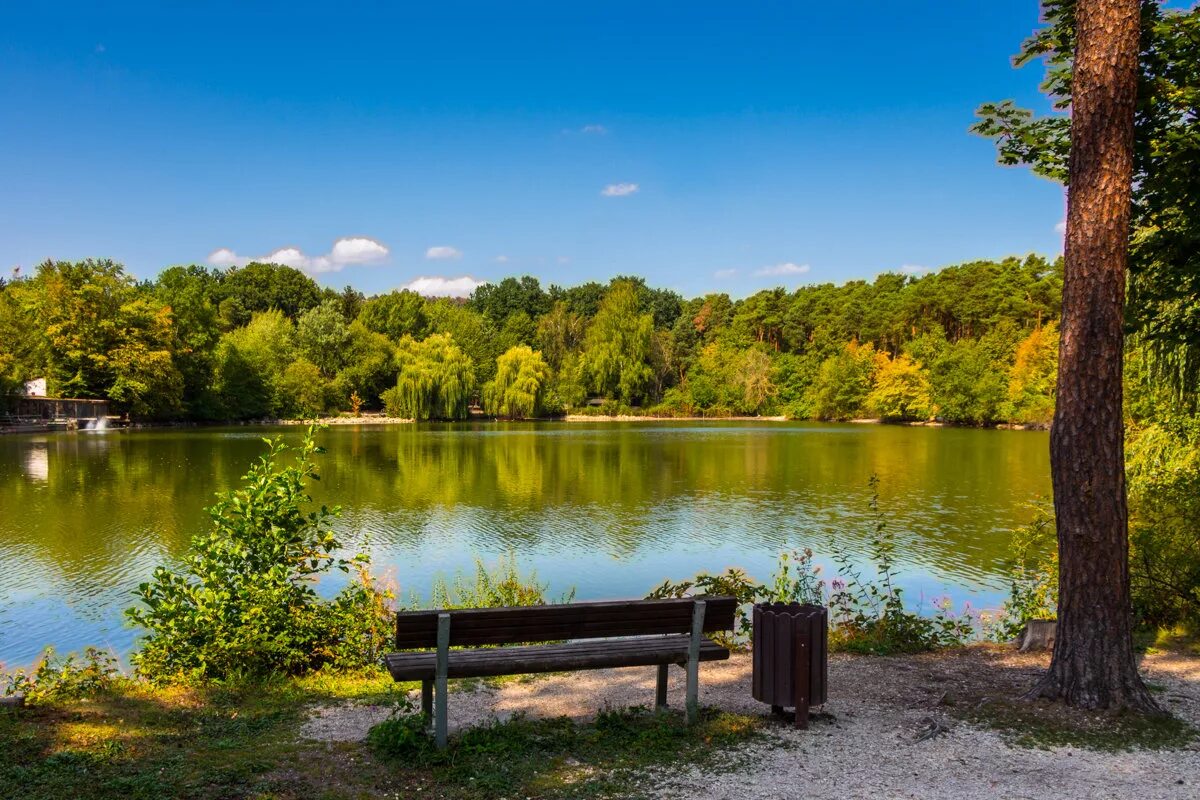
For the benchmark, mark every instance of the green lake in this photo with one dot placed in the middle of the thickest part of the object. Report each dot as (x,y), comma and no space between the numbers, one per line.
(611,509)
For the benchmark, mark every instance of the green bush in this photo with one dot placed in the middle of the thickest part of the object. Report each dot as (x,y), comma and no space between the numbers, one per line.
(1033,578)
(868,615)
(70,677)
(1164,521)
(243,604)
(403,734)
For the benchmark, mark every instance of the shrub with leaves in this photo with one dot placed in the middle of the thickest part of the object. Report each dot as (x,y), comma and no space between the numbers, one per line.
(403,734)
(243,602)
(1033,578)
(1164,521)
(70,677)
(866,615)
(795,581)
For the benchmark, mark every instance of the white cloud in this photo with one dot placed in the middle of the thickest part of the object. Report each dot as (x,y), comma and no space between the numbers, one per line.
(619,189)
(725,273)
(501,259)
(289,257)
(442,253)
(562,260)
(438,286)
(357,250)
(1061,228)
(914,269)
(595,130)
(345,252)
(224,257)
(786,268)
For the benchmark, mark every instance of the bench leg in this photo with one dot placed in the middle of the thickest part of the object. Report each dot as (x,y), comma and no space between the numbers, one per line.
(441,690)
(693,664)
(427,699)
(660,692)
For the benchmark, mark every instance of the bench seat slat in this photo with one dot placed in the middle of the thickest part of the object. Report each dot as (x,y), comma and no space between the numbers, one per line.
(417,629)
(594,654)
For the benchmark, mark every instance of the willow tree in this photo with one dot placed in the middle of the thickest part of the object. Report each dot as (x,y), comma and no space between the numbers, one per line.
(436,380)
(617,347)
(519,386)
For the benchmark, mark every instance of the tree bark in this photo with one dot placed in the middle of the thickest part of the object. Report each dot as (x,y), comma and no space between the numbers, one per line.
(1093,664)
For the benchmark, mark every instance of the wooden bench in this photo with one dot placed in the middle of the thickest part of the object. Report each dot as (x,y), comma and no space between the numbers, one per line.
(626,633)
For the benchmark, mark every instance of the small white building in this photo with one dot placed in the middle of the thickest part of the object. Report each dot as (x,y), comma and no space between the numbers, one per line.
(35,388)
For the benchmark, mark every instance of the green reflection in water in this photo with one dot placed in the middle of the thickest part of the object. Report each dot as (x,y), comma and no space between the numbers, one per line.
(611,509)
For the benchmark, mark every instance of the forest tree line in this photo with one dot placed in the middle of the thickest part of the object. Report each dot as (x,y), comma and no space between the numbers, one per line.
(974,343)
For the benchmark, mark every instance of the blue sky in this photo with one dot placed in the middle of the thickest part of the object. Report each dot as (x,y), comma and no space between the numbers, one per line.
(742,145)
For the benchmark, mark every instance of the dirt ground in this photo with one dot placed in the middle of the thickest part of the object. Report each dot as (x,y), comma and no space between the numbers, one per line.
(894,727)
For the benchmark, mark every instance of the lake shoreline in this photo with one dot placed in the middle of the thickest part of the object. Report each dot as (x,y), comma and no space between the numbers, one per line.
(370,419)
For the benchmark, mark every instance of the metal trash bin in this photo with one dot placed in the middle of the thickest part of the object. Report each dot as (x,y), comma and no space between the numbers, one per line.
(791,656)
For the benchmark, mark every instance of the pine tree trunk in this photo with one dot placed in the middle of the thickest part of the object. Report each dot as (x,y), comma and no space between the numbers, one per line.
(1093,664)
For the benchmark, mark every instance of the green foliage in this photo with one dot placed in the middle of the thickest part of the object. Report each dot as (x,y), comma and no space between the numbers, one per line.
(250,362)
(524,757)
(559,333)
(843,382)
(396,315)
(404,734)
(242,603)
(1164,267)
(322,336)
(258,287)
(370,369)
(302,392)
(1163,469)
(492,587)
(518,390)
(868,614)
(1033,578)
(500,301)
(436,380)
(71,677)
(617,346)
(967,387)
(472,331)
(212,344)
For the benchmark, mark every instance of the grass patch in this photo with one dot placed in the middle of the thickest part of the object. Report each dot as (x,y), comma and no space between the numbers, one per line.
(1046,725)
(562,759)
(240,741)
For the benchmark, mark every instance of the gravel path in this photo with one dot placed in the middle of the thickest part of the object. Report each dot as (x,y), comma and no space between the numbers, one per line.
(870,747)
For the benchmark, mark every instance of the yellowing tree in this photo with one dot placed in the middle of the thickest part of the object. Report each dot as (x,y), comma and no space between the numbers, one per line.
(755,378)
(901,389)
(519,385)
(1032,377)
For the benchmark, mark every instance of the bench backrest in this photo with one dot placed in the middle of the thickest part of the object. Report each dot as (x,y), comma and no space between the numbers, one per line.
(480,626)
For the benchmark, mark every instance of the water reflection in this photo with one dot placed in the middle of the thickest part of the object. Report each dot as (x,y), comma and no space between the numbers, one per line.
(608,508)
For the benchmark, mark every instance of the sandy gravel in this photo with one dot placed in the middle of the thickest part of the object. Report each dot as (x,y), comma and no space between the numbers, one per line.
(869,748)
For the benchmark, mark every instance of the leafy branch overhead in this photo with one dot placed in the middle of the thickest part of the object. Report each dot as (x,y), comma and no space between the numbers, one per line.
(1163,305)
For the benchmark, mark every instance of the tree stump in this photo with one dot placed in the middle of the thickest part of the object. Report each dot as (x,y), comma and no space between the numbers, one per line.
(1038,634)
